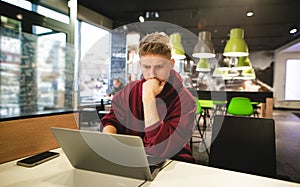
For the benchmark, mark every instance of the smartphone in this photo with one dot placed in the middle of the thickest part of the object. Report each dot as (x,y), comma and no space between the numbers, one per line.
(37,159)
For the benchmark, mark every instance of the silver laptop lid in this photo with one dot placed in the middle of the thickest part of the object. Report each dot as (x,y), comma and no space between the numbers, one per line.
(115,154)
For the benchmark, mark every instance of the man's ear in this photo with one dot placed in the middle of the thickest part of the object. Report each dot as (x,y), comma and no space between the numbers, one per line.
(172,63)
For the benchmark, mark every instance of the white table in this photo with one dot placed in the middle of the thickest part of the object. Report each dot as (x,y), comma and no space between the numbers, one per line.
(59,172)
(186,175)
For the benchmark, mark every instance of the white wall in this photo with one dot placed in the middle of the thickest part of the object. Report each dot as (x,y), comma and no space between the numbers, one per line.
(261,59)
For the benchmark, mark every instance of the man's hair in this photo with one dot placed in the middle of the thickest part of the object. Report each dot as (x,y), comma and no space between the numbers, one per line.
(117,79)
(155,44)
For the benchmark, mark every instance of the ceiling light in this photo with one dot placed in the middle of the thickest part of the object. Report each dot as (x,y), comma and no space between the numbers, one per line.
(141,18)
(177,48)
(19,16)
(203,65)
(293,30)
(204,47)
(147,14)
(236,45)
(248,74)
(243,63)
(151,14)
(250,13)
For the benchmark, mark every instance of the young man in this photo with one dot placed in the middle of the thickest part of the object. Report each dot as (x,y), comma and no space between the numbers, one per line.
(157,108)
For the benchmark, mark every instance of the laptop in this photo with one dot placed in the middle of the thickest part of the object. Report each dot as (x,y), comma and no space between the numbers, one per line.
(115,154)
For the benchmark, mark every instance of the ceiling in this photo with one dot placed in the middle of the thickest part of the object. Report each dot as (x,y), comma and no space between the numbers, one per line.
(268,29)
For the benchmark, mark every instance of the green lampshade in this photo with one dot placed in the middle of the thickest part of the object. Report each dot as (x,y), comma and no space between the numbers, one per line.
(248,74)
(177,48)
(203,65)
(219,73)
(236,45)
(204,47)
(243,63)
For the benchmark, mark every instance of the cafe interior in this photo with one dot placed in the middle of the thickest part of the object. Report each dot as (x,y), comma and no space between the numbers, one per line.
(239,59)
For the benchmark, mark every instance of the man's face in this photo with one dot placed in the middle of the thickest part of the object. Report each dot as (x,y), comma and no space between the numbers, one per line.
(116,83)
(156,66)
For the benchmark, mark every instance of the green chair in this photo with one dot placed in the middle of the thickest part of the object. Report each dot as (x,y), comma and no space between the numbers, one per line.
(240,106)
(256,108)
(199,114)
(220,106)
(206,105)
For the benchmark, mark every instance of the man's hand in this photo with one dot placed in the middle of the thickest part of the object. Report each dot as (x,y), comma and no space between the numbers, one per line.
(110,129)
(151,88)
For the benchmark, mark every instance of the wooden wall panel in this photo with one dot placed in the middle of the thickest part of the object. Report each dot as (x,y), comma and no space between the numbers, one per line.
(24,137)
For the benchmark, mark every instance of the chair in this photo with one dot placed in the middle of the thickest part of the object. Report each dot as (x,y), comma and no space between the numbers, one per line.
(256,108)
(88,116)
(240,106)
(199,113)
(244,144)
(220,107)
(206,105)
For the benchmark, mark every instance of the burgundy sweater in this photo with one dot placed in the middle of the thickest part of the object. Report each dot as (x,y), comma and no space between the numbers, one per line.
(167,138)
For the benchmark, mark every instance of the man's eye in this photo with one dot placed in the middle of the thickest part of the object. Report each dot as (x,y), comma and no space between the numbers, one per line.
(158,67)
(147,67)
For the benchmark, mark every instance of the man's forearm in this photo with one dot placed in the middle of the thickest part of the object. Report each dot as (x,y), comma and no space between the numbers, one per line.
(150,112)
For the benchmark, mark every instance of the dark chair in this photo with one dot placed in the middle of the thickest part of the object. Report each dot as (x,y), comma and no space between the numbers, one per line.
(244,144)
(88,116)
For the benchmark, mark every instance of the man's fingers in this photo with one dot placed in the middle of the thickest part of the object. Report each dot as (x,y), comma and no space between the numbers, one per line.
(159,80)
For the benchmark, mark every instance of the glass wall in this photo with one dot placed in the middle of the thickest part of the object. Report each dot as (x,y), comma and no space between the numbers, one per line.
(37,60)
(49,76)
(95,50)
(37,73)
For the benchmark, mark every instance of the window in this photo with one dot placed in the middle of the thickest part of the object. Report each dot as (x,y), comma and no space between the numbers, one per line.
(292,77)
(53,14)
(89,35)
(94,62)
(20,3)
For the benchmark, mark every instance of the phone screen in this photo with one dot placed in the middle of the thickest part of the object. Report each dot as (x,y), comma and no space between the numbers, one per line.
(37,159)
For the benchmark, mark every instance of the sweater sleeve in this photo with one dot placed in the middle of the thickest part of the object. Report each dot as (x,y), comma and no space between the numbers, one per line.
(116,114)
(167,137)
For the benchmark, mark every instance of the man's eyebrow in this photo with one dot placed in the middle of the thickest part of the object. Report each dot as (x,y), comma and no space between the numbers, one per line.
(161,64)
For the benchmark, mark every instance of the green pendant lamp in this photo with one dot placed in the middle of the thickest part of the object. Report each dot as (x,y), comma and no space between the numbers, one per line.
(243,63)
(204,47)
(221,68)
(177,48)
(236,45)
(248,74)
(203,65)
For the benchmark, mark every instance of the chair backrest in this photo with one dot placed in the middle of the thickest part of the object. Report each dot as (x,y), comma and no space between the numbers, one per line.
(240,106)
(244,144)
(198,106)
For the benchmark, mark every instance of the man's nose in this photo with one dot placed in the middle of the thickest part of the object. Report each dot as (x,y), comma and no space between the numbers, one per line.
(152,73)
